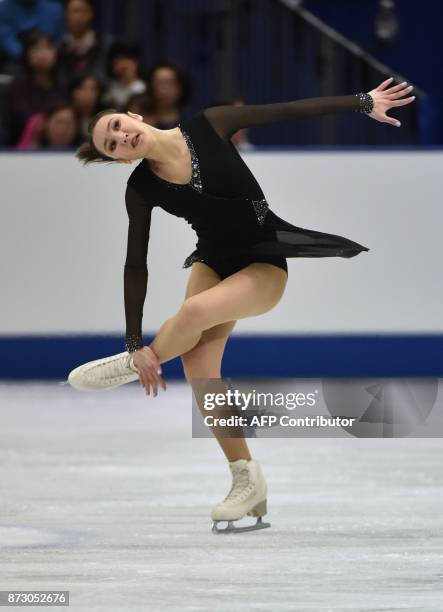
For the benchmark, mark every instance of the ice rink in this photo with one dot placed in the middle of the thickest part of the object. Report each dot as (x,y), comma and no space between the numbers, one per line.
(108,496)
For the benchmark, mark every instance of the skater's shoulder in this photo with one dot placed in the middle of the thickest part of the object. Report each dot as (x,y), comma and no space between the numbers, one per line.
(137,172)
(141,179)
(191,120)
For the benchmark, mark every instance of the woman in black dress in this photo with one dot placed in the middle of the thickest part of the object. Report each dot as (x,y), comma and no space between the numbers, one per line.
(238,268)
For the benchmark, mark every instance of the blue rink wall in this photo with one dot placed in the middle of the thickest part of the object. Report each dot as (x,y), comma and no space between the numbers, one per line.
(63,245)
(46,357)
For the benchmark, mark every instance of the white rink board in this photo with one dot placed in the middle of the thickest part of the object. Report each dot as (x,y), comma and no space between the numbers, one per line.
(63,244)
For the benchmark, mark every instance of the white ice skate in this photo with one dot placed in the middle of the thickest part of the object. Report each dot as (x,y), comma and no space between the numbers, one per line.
(246,497)
(105,373)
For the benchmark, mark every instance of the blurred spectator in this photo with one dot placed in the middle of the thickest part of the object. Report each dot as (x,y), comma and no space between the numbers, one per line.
(83,49)
(30,135)
(60,128)
(85,93)
(241,137)
(123,71)
(18,16)
(168,92)
(38,89)
(139,104)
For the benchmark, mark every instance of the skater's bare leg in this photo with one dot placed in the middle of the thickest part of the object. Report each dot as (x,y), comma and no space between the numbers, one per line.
(205,358)
(247,293)
(204,362)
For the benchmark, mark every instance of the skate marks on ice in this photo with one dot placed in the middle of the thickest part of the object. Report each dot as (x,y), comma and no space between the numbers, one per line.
(356,523)
(24,536)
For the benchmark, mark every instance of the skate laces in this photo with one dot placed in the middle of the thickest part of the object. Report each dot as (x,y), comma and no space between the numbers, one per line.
(111,369)
(241,486)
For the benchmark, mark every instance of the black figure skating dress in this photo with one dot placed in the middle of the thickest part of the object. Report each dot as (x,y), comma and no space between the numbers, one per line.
(223,203)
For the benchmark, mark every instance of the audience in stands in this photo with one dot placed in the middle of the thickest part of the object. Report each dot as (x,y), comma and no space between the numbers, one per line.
(57,128)
(124,76)
(19,16)
(168,90)
(85,93)
(60,128)
(64,72)
(83,50)
(37,89)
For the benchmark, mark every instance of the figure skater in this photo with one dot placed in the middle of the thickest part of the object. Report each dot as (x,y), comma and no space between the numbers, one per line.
(238,268)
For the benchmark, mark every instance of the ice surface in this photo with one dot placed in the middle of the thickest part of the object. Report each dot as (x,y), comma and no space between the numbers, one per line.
(108,496)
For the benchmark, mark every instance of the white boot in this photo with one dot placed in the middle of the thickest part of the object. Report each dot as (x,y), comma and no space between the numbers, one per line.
(247,496)
(105,373)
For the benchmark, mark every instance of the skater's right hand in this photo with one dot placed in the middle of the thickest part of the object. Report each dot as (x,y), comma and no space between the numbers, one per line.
(149,369)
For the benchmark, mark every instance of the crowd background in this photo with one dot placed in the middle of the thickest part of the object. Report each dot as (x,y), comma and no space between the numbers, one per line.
(60,71)
(61,61)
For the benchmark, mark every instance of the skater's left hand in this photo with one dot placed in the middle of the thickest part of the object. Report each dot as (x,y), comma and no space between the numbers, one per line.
(384,99)
(149,369)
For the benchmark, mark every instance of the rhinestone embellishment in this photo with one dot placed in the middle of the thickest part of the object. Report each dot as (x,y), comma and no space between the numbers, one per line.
(261,208)
(133,342)
(195,181)
(366,102)
(191,258)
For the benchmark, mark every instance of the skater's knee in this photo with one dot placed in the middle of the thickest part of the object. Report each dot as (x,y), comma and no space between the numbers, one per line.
(193,315)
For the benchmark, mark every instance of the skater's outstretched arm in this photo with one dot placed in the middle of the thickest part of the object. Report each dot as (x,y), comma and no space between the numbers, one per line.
(136,269)
(226,120)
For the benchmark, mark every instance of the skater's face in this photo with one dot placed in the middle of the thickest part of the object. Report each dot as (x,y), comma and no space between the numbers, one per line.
(122,136)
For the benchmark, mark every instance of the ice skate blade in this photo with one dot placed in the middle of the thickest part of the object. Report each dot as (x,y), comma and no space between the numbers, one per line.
(232,529)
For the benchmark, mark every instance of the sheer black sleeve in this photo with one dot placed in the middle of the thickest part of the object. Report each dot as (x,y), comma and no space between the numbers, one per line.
(136,269)
(226,120)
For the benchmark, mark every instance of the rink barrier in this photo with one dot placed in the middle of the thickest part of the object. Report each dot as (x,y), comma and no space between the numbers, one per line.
(308,355)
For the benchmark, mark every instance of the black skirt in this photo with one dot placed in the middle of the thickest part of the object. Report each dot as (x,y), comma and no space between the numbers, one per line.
(283,238)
